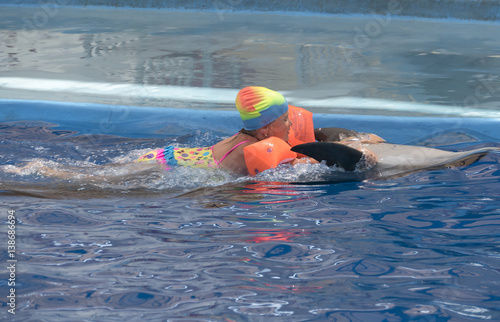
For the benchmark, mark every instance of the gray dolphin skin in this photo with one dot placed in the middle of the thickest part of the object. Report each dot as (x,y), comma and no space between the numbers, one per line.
(394,160)
(398,159)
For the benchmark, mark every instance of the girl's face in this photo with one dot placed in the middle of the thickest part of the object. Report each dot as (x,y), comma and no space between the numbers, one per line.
(280,127)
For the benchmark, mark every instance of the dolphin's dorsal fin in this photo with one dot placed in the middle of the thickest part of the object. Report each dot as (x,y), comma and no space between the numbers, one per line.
(332,153)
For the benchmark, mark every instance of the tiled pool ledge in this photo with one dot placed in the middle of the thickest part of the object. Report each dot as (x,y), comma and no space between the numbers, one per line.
(480,10)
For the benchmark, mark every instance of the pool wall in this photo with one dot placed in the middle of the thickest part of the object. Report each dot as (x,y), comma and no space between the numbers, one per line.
(117,118)
(481,10)
(130,121)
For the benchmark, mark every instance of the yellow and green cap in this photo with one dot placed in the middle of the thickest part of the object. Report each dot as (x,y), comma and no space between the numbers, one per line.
(259,106)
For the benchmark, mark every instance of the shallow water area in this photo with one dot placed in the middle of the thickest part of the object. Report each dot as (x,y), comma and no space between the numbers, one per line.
(102,238)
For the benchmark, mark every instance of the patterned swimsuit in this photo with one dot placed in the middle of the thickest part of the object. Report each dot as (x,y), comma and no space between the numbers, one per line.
(186,157)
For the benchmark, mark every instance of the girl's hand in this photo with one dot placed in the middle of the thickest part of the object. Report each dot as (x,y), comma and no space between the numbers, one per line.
(374,138)
(368,160)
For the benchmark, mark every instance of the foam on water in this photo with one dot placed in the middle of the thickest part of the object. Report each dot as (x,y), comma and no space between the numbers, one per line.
(123,176)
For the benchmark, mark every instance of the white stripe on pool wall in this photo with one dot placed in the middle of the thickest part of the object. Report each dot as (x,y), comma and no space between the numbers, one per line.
(227,96)
(198,94)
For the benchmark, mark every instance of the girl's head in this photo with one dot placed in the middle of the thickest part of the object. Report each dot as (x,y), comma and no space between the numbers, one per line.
(264,110)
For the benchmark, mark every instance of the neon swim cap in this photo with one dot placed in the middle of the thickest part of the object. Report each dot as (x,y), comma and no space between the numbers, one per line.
(259,106)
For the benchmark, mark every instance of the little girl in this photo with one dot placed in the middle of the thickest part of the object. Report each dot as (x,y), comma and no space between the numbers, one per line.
(264,114)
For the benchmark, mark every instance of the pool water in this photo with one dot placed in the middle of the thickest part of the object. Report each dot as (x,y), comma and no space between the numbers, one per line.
(128,242)
(101,238)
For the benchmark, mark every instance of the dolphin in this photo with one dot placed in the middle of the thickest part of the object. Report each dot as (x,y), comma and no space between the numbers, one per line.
(394,160)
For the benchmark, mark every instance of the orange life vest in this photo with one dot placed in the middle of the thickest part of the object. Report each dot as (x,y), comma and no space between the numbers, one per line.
(273,151)
(302,130)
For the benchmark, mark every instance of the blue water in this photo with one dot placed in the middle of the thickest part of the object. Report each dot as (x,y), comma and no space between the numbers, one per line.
(128,243)
(100,238)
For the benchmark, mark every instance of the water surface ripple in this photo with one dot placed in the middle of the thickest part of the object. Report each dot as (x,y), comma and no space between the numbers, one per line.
(421,246)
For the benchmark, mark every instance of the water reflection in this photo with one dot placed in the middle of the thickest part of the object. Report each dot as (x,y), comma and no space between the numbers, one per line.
(317,57)
(275,235)
(262,308)
(288,252)
(312,254)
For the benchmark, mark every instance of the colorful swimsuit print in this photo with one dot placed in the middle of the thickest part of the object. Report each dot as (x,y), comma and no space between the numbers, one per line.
(187,157)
